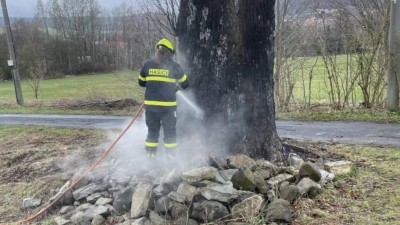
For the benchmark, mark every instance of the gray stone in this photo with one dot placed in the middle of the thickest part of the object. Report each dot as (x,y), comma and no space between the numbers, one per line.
(283,185)
(290,170)
(271,196)
(79,218)
(66,176)
(67,198)
(178,197)
(240,160)
(179,210)
(338,167)
(125,223)
(264,164)
(289,193)
(66,209)
(308,187)
(216,162)
(202,173)
(188,190)
(142,221)
(243,195)
(163,205)
(248,209)
(96,210)
(227,174)
(222,193)
(274,182)
(31,202)
(309,170)
(243,179)
(98,220)
(103,201)
(171,179)
(161,190)
(84,207)
(141,200)
(264,173)
(93,197)
(123,201)
(295,160)
(155,219)
(278,211)
(209,211)
(122,179)
(61,221)
(186,221)
(326,177)
(261,185)
(85,191)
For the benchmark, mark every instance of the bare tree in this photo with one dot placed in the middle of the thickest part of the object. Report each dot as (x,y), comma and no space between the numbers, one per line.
(163,14)
(36,75)
(291,32)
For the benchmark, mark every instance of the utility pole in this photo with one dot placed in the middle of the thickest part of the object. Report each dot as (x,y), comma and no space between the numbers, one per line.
(393,79)
(12,62)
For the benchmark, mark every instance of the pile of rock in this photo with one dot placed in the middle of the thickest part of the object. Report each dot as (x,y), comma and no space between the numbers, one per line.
(238,191)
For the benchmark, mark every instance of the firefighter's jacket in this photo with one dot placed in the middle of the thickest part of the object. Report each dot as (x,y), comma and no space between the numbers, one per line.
(161,82)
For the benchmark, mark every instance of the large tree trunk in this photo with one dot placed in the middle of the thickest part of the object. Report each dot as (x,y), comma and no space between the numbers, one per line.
(228,47)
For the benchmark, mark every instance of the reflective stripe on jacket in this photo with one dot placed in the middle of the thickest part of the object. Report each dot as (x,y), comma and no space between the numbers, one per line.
(161,82)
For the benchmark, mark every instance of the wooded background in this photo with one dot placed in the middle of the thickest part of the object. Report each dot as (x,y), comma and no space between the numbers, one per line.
(333,53)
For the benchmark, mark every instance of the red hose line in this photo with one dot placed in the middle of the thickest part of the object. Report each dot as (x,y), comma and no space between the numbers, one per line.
(105,153)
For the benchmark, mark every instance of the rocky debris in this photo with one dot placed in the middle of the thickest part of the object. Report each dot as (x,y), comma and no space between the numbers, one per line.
(310,170)
(308,186)
(279,210)
(31,202)
(141,200)
(248,208)
(295,160)
(231,193)
(338,167)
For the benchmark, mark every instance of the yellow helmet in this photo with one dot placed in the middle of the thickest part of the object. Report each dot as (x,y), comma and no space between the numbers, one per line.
(166,43)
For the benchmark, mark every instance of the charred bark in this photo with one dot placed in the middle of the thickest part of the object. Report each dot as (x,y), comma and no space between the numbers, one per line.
(228,47)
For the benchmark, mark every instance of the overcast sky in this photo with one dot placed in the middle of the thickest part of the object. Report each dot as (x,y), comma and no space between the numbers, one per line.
(26,8)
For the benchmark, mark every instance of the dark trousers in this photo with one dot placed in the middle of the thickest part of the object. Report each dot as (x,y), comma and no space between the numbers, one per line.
(154,121)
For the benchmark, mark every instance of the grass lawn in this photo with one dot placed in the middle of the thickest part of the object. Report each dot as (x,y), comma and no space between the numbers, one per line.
(369,195)
(112,85)
(123,84)
(370,115)
(302,68)
(117,85)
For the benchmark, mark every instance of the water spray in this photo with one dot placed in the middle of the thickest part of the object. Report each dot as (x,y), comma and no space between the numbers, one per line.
(199,113)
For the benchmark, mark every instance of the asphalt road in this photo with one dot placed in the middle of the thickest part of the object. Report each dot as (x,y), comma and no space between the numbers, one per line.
(333,132)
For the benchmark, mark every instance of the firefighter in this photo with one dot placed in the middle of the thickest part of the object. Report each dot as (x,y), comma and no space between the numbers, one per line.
(161,77)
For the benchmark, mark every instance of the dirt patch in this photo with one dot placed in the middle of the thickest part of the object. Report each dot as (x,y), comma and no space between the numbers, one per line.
(33,160)
(106,105)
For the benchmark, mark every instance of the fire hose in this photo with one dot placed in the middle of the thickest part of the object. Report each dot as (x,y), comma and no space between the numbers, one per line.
(105,153)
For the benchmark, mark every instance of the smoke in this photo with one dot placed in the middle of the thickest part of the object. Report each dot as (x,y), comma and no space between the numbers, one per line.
(193,150)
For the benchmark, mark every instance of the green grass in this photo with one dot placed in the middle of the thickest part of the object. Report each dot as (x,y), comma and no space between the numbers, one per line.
(117,85)
(371,115)
(300,69)
(369,195)
(111,85)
